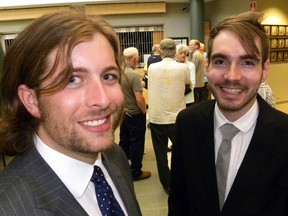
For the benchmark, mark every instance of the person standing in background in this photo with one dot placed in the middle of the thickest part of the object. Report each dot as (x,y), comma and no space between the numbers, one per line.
(182,51)
(166,86)
(267,94)
(197,58)
(206,92)
(133,126)
(61,103)
(212,172)
(156,55)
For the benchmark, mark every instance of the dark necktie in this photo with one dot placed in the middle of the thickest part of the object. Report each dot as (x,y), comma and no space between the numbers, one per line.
(104,194)
(223,159)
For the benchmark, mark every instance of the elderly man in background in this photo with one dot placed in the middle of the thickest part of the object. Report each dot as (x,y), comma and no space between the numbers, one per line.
(167,80)
(133,126)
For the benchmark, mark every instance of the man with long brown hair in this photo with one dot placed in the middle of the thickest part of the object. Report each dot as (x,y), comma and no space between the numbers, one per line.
(61,102)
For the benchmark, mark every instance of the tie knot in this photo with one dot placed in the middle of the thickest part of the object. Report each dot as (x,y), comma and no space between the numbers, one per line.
(228,131)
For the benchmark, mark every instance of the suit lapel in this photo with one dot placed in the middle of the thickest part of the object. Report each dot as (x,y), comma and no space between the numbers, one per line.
(48,190)
(207,152)
(257,152)
(113,161)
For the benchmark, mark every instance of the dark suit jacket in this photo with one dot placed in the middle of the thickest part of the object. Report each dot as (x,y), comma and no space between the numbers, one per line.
(29,187)
(261,185)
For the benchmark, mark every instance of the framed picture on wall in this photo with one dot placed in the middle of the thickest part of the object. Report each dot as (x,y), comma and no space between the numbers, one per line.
(286,43)
(273,43)
(267,30)
(273,56)
(280,56)
(274,30)
(180,40)
(281,43)
(285,57)
(281,30)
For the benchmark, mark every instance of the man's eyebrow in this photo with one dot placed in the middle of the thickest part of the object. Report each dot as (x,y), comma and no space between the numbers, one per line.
(243,57)
(250,56)
(218,55)
(108,68)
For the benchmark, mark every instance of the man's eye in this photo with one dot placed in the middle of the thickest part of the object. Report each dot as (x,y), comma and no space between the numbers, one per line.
(74,79)
(249,63)
(218,62)
(110,77)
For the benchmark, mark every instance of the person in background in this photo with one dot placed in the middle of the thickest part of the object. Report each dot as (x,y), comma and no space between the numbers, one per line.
(153,58)
(181,56)
(156,55)
(206,92)
(250,176)
(61,102)
(197,58)
(267,94)
(133,126)
(166,86)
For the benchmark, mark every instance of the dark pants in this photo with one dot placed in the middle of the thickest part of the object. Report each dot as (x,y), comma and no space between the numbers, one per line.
(160,135)
(202,93)
(132,140)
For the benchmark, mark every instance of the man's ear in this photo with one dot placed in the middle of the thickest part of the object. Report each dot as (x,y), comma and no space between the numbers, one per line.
(266,70)
(29,99)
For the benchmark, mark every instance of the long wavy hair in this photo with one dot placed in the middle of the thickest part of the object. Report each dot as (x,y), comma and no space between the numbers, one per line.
(26,62)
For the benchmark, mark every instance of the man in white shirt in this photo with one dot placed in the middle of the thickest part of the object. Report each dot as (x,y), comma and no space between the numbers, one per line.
(166,86)
(257,176)
(61,102)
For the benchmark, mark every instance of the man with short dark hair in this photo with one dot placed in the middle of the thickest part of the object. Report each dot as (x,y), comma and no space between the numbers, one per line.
(230,155)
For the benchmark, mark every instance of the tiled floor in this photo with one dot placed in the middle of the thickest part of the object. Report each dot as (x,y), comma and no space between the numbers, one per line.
(150,194)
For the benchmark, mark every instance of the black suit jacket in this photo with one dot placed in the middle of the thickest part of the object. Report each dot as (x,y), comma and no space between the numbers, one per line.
(261,184)
(28,186)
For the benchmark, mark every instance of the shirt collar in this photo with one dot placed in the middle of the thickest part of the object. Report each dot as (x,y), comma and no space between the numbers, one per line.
(244,123)
(75,174)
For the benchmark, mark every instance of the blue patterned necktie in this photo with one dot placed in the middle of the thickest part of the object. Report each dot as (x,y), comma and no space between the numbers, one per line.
(104,194)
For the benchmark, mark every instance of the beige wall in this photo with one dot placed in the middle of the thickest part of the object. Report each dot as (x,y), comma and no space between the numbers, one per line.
(278,77)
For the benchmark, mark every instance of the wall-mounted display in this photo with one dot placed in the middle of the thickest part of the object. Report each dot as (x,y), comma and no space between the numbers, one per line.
(278,35)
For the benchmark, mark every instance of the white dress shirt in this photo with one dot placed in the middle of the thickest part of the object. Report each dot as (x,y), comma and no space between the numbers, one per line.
(239,145)
(76,176)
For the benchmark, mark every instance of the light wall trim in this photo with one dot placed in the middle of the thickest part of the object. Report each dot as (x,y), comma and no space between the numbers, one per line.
(133,8)
(28,13)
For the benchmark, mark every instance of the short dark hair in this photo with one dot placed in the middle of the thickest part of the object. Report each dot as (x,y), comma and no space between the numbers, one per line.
(26,62)
(247,26)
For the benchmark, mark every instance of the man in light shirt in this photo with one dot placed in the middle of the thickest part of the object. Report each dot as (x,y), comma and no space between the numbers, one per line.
(257,179)
(61,102)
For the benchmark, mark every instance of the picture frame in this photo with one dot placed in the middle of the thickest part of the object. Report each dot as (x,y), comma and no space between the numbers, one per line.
(274,30)
(285,55)
(273,43)
(273,56)
(281,31)
(286,30)
(286,43)
(280,56)
(267,30)
(180,40)
(281,43)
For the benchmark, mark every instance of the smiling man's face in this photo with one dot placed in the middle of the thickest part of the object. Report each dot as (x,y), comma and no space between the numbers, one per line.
(234,75)
(80,119)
